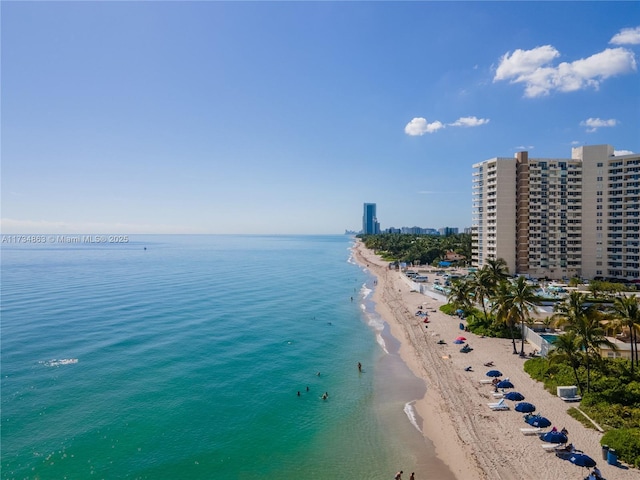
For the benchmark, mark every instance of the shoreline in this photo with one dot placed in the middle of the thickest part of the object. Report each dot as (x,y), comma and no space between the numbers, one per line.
(471,439)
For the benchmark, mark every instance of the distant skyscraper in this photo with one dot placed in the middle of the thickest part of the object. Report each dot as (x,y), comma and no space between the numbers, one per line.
(446,231)
(370,225)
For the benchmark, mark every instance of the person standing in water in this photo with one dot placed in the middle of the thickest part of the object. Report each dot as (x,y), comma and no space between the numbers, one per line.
(359,367)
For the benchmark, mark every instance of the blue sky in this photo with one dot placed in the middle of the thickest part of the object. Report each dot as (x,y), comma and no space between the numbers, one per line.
(277,118)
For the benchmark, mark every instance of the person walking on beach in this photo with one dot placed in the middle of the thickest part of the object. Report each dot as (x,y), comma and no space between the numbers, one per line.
(398,475)
(413,476)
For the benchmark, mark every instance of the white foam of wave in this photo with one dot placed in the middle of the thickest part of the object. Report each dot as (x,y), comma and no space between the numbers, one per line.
(56,363)
(411,415)
(373,319)
(365,291)
(381,342)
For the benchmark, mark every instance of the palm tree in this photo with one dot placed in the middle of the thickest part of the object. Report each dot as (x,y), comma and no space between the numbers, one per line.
(498,268)
(460,294)
(627,311)
(567,350)
(584,320)
(523,300)
(503,309)
(595,287)
(483,288)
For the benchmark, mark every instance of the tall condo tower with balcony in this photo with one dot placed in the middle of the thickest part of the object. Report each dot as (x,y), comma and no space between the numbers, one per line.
(370,225)
(559,218)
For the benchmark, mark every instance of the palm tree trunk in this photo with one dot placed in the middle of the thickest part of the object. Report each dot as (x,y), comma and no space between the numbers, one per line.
(522,338)
(588,371)
(513,339)
(634,350)
(575,374)
(633,346)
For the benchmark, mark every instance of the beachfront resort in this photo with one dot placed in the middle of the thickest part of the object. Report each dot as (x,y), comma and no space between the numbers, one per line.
(554,266)
(565,218)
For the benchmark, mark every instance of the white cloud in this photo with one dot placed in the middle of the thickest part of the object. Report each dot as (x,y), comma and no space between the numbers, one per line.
(617,153)
(627,36)
(532,67)
(523,62)
(469,122)
(524,147)
(420,126)
(593,124)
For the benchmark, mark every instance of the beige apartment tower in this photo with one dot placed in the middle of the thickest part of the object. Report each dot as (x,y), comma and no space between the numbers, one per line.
(560,217)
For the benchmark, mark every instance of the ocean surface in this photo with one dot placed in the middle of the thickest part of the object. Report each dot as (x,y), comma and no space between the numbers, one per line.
(181,357)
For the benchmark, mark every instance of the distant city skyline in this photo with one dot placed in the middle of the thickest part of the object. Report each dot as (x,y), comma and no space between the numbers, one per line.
(283,117)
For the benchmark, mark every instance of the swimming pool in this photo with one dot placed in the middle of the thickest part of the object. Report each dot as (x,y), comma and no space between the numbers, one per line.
(549,337)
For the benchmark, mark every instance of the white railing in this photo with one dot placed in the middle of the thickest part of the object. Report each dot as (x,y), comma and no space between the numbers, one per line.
(535,339)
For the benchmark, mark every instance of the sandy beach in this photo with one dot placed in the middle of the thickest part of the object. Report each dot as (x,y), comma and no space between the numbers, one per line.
(474,441)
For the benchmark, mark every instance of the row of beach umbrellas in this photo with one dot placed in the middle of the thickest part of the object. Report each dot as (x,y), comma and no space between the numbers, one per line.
(579,459)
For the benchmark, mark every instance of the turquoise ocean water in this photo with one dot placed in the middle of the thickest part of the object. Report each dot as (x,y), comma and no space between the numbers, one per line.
(171,357)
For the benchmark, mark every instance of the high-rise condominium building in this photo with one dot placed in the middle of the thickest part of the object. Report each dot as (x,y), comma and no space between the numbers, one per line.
(370,225)
(560,217)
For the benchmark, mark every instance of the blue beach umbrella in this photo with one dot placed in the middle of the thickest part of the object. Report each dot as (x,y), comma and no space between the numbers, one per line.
(525,407)
(504,384)
(554,437)
(494,373)
(515,396)
(458,341)
(582,460)
(538,421)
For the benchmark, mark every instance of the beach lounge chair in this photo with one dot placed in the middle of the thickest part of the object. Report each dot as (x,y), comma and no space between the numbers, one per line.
(530,431)
(498,395)
(551,447)
(486,381)
(501,405)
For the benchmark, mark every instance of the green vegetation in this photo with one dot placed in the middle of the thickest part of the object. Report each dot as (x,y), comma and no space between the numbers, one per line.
(608,289)
(418,249)
(613,401)
(626,442)
(495,305)
(579,416)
